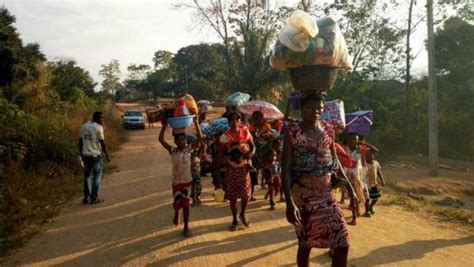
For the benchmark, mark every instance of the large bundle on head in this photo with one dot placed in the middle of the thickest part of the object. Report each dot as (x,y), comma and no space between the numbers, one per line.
(359,122)
(334,113)
(180,114)
(236,99)
(312,50)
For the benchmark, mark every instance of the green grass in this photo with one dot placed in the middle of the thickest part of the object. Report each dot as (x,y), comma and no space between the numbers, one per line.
(403,201)
(459,215)
(30,197)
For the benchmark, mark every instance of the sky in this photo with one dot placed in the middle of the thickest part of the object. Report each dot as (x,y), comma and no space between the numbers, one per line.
(94,32)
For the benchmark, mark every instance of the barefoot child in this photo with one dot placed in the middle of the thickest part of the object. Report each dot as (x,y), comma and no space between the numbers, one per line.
(272,174)
(355,174)
(196,189)
(373,172)
(181,173)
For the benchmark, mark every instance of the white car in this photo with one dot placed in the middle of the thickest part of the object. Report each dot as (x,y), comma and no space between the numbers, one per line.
(133,119)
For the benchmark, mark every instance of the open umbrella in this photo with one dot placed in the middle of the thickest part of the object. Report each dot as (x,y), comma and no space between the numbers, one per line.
(204,106)
(269,111)
(216,127)
(203,102)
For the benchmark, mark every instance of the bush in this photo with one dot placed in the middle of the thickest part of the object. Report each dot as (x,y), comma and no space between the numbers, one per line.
(32,189)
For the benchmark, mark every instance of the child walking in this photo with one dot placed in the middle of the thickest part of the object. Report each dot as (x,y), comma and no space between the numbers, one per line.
(196,188)
(272,175)
(374,171)
(181,173)
(355,173)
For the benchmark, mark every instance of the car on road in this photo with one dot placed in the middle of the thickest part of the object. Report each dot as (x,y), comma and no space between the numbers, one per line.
(133,119)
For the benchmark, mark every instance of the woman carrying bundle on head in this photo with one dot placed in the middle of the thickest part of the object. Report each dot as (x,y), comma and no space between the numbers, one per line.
(308,163)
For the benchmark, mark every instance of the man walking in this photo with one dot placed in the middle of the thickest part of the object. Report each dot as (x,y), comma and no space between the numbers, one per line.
(91,146)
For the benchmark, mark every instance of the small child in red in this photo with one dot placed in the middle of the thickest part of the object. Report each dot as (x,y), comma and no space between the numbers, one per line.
(272,174)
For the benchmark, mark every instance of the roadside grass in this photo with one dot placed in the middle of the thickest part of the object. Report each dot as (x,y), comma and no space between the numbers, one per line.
(459,215)
(32,197)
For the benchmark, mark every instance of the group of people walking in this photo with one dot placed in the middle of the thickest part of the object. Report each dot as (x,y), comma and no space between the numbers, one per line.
(303,161)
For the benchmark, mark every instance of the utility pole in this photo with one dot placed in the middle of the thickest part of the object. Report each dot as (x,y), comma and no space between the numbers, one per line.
(433,105)
(407,79)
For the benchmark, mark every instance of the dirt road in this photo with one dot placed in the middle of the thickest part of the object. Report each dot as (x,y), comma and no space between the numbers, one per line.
(133,227)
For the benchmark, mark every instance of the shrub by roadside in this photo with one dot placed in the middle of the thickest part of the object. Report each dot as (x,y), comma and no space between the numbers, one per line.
(34,186)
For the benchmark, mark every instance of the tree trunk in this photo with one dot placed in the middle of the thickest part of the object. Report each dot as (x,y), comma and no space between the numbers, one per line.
(433,102)
(407,81)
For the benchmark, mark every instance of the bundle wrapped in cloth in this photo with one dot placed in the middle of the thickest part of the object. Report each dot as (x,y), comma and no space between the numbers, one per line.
(312,50)
(306,42)
(236,99)
(180,114)
(334,113)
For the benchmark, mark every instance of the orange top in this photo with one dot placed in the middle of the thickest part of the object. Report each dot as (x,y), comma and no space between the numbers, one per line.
(266,127)
(364,150)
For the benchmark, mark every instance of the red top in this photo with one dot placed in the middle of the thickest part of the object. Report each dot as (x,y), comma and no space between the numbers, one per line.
(345,160)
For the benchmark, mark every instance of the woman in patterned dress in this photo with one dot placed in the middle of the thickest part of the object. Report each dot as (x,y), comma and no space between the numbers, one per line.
(236,148)
(307,162)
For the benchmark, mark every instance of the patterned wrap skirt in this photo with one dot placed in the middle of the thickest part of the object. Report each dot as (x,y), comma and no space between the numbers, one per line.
(323,223)
(237,183)
(181,194)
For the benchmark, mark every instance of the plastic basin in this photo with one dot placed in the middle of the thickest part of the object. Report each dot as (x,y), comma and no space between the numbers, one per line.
(180,122)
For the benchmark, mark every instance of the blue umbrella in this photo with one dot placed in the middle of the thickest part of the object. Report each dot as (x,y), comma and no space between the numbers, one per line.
(218,126)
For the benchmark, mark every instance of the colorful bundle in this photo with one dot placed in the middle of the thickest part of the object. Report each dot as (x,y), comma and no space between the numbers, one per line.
(303,42)
(334,113)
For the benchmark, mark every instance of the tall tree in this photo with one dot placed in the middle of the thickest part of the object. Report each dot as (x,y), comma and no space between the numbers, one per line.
(17,62)
(255,26)
(111,74)
(162,59)
(216,15)
(138,72)
(67,78)
(10,45)
(200,70)
(454,53)
(305,5)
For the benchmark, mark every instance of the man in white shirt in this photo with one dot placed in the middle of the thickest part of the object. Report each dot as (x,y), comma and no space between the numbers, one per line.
(91,146)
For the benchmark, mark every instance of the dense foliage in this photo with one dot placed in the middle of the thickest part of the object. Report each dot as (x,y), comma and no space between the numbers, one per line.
(42,107)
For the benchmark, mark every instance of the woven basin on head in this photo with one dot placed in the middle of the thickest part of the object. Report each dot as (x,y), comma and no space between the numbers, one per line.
(313,78)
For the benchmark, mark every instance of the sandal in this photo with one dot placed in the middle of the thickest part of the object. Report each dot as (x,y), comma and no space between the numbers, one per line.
(244,221)
(353,222)
(234,227)
(187,233)
(97,201)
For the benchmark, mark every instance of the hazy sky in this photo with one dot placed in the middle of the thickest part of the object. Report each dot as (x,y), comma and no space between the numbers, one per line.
(94,32)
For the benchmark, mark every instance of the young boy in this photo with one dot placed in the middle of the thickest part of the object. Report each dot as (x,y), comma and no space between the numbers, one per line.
(272,174)
(355,174)
(181,173)
(374,171)
(196,189)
